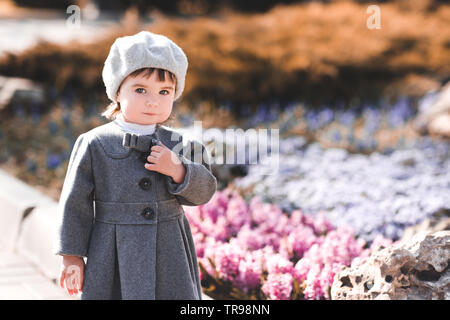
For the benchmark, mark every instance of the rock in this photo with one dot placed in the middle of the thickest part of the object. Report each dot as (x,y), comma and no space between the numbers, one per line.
(440,125)
(439,221)
(435,117)
(17,90)
(225,173)
(417,269)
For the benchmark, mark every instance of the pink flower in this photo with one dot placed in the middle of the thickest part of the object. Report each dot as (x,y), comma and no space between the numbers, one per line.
(278,286)
(264,213)
(250,270)
(247,241)
(300,240)
(379,243)
(250,239)
(313,288)
(209,269)
(227,259)
(237,214)
(321,224)
(325,257)
(279,264)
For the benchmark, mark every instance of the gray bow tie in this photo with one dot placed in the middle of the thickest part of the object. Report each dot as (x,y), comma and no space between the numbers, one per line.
(139,142)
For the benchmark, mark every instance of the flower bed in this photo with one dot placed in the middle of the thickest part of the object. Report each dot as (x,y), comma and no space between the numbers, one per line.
(256,251)
(374,194)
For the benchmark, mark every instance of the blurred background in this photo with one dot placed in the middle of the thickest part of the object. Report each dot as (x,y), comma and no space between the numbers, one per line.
(310,68)
(363,113)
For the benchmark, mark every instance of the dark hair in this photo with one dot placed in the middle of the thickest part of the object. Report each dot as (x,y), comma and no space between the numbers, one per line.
(113,109)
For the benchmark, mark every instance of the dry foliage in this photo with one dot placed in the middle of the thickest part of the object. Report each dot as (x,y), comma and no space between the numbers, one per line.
(313,52)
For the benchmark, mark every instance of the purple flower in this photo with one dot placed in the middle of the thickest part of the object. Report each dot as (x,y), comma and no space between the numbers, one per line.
(347,117)
(31,165)
(53,161)
(53,127)
(326,115)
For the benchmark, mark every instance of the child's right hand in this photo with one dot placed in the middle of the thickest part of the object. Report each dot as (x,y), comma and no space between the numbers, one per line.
(72,274)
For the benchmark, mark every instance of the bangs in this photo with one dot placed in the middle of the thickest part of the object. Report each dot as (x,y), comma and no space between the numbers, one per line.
(147,72)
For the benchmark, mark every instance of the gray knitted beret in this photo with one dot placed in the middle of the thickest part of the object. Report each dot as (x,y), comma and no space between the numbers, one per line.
(143,50)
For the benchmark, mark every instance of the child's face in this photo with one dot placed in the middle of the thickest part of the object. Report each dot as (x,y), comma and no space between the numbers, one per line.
(146,100)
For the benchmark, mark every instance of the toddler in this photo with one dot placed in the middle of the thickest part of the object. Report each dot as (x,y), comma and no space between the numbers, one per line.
(121,202)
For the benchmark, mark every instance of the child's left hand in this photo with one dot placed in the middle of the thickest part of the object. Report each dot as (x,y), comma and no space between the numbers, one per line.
(165,161)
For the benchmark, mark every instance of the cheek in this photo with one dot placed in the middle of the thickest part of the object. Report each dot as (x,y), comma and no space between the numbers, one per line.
(131,101)
(168,109)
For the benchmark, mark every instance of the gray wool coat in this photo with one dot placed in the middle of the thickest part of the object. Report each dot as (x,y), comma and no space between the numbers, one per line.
(129,222)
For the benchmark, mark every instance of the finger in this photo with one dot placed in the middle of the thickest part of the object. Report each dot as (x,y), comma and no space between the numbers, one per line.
(75,283)
(157,148)
(62,279)
(155,153)
(152,158)
(81,280)
(69,291)
(150,166)
(69,283)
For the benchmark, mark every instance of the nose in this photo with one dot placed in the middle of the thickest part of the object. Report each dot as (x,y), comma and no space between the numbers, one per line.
(150,103)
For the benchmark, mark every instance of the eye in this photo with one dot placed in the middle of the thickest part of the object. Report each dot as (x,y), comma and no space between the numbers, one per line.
(165,91)
(139,89)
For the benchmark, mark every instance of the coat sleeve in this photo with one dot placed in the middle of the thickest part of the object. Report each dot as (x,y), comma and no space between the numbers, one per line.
(199,184)
(76,207)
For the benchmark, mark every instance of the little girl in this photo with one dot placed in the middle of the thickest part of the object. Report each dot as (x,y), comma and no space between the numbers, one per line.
(121,202)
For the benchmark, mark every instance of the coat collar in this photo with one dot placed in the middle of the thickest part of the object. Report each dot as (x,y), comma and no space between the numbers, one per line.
(119,144)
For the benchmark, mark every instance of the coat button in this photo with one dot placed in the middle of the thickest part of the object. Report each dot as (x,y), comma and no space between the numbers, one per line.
(147,213)
(145,183)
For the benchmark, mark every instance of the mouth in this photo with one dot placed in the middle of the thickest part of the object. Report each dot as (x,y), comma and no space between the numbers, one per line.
(149,114)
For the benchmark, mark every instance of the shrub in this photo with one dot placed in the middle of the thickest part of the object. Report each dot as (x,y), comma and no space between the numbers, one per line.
(312,52)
